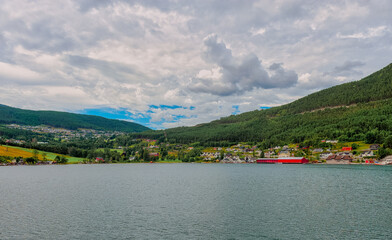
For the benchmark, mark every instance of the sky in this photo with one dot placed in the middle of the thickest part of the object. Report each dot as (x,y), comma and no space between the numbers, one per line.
(180,63)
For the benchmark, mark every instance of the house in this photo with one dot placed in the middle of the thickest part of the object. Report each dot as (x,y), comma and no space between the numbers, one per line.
(387,160)
(284,154)
(339,159)
(367,154)
(374,147)
(348,149)
(318,150)
(369,161)
(153,154)
(269,154)
(325,155)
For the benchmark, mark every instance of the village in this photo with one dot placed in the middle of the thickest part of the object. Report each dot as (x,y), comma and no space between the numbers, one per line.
(336,153)
(61,133)
(149,150)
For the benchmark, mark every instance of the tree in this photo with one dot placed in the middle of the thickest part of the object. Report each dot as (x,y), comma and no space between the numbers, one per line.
(354,146)
(163,153)
(388,142)
(35,154)
(382,153)
(61,159)
(31,160)
(44,156)
(146,156)
(372,136)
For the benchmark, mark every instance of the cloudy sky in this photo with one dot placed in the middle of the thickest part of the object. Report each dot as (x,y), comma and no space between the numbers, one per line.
(174,63)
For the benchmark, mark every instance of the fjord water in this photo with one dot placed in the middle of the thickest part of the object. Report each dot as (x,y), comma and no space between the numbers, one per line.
(196,201)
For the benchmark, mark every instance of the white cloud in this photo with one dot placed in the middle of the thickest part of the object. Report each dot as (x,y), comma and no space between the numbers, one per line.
(134,54)
(236,76)
(370,33)
(12,72)
(256,32)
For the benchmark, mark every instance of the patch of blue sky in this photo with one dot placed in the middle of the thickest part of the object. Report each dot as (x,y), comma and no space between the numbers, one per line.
(263,107)
(170,107)
(140,118)
(165,106)
(111,113)
(119,114)
(236,109)
(159,124)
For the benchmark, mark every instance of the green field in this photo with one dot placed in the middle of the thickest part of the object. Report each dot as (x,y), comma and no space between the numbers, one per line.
(361,145)
(49,155)
(111,149)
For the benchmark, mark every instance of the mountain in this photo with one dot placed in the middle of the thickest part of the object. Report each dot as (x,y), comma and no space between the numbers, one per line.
(65,120)
(359,110)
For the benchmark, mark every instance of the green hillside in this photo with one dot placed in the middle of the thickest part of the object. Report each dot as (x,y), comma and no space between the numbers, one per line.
(360,110)
(71,121)
(377,86)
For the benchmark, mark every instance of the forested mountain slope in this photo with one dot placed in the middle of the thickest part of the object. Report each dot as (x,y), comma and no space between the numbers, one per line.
(376,86)
(349,112)
(71,121)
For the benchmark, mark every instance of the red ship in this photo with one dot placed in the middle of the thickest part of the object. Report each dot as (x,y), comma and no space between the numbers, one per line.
(288,160)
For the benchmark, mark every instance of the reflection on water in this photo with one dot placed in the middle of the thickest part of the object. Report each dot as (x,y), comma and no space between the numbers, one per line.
(196,201)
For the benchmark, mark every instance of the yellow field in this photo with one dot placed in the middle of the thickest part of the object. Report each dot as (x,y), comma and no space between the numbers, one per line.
(12,152)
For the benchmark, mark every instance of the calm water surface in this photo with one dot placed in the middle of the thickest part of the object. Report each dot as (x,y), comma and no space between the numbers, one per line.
(196,201)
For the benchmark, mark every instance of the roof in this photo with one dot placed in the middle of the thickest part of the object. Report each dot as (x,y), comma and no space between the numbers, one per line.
(339,157)
(282,158)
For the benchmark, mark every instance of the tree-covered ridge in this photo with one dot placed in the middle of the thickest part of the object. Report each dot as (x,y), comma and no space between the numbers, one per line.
(65,120)
(377,86)
(370,113)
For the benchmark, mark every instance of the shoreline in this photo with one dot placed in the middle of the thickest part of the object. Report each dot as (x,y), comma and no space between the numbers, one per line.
(174,162)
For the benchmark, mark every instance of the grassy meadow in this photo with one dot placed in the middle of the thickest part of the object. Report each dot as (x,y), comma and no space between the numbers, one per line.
(13,151)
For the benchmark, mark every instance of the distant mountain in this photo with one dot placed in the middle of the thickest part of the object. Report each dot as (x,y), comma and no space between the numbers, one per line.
(65,120)
(359,110)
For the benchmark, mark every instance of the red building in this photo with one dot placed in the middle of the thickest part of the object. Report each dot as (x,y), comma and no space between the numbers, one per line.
(99,159)
(154,154)
(347,149)
(267,160)
(288,160)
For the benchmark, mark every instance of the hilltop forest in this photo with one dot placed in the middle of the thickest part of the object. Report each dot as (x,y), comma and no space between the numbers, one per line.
(65,120)
(355,111)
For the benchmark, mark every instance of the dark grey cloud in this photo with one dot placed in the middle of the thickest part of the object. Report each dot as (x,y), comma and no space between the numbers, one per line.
(348,68)
(239,75)
(282,78)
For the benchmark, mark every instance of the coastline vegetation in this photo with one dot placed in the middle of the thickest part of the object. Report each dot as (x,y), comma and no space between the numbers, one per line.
(356,114)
